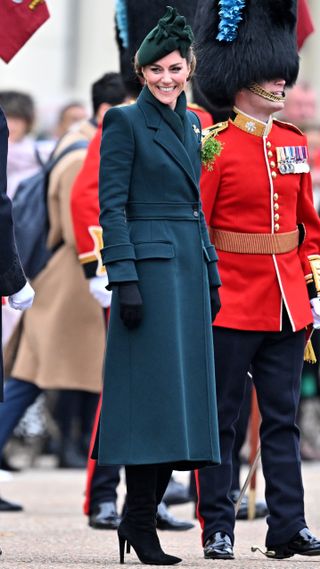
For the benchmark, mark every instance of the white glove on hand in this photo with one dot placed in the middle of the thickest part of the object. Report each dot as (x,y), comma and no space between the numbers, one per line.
(97,287)
(315,309)
(23,298)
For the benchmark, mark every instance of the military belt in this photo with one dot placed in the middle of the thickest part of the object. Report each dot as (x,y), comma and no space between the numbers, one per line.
(254,243)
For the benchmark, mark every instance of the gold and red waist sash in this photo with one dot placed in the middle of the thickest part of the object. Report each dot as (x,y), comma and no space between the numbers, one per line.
(254,243)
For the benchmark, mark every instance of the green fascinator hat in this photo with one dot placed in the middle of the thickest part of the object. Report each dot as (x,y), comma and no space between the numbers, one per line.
(170,34)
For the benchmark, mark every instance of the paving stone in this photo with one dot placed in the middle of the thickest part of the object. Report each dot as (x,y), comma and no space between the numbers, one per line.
(52,532)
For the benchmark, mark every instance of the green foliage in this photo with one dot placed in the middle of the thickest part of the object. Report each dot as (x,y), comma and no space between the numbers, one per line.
(211,148)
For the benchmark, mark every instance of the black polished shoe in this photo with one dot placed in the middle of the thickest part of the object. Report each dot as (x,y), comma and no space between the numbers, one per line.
(303,543)
(104,516)
(6,506)
(261,509)
(166,521)
(176,493)
(218,546)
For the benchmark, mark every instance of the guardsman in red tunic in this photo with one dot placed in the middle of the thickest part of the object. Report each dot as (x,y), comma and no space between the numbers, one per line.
(257,199)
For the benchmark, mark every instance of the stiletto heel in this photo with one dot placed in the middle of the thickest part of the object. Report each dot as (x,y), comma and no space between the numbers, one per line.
(137,529)
(145,544)
(122,543)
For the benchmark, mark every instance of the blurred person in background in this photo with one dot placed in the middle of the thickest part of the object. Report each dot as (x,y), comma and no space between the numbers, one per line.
(313,136)
(69,115)
(62,337)
(13,283)
(25,158)
(25,153)
(301,105)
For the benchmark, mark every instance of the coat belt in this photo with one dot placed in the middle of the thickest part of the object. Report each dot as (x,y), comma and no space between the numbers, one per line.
(187,211)
(254,243)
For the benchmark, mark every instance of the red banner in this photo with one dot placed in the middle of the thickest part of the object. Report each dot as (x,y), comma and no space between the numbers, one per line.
(305,25)
(19,19)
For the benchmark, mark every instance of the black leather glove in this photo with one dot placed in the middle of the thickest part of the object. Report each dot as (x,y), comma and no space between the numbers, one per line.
(130,304)
(214,301)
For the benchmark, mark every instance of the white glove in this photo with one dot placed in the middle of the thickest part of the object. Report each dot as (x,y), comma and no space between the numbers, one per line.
(97,287)
(23,298)
(315,309)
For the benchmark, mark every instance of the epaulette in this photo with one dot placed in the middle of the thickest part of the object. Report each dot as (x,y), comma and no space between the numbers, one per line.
(212,131)
(288,125)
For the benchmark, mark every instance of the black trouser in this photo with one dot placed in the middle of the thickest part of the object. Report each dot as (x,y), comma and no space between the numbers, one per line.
(276,359)
(241,428)
(104,485)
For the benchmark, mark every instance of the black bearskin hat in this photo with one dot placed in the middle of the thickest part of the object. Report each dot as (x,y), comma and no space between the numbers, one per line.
(139,17)
(262,46)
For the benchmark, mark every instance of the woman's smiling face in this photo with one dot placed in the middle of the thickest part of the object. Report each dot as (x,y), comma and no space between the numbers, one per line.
(167,77)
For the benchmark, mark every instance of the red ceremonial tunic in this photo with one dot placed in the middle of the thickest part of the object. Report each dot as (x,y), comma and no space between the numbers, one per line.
(85,205)
(245,192)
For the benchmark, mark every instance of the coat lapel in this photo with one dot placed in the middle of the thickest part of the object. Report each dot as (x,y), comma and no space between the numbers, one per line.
(166,138)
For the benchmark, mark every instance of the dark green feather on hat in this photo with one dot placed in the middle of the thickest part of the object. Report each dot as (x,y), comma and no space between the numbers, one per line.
(170,34)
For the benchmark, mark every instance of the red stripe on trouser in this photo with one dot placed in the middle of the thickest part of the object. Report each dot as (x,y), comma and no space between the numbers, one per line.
(200,518)
(92,463)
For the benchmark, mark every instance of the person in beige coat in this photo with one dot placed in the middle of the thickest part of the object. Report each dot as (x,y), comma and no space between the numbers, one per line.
(63,336)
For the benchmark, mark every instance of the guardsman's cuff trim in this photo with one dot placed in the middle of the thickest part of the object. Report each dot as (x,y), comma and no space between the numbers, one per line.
(94,255)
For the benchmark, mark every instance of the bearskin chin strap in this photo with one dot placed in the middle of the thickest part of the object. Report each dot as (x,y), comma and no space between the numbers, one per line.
(258,90)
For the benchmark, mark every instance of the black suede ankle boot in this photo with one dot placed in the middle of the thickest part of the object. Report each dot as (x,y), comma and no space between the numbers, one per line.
(138,527)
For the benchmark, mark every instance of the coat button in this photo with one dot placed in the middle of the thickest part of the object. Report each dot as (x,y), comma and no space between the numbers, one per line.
(276,206)
(276,217)
(274,174)
(275,197)
(268,144)
(272,164)
(277,227)
(270,153)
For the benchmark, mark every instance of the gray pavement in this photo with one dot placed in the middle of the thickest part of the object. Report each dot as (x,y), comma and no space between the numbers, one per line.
(52,532)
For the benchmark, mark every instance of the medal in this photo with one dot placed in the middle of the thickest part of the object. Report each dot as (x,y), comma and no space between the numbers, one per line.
(292,159)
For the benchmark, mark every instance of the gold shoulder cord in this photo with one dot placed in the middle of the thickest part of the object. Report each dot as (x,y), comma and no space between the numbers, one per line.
(212,131)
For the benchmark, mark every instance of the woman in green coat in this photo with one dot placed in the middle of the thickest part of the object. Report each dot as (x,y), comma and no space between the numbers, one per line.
(159,408)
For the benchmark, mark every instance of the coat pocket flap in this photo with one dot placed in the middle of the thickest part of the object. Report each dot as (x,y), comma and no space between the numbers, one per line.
(154,250)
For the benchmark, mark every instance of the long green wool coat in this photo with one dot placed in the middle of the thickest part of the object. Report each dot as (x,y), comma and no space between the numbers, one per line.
(159,401)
